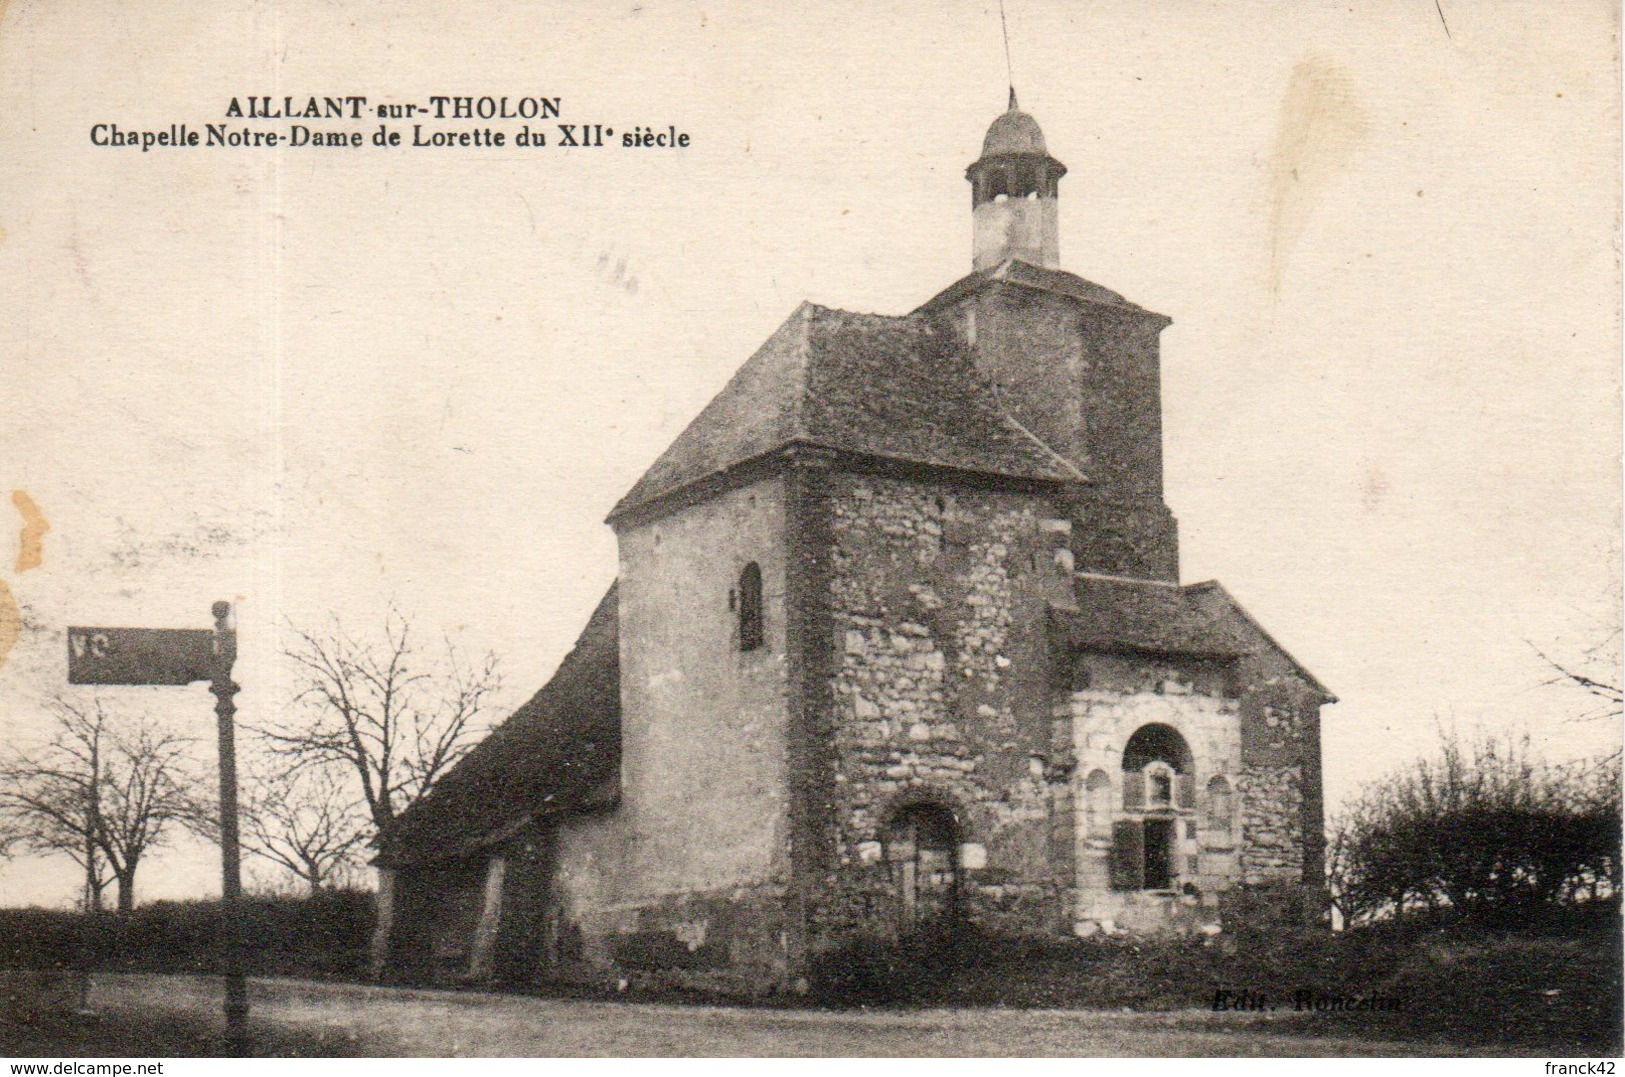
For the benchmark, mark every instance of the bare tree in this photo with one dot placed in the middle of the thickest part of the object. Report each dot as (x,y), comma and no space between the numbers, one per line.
(9,839)
(104,792)
(388,713)
(50,801)
(1597,673)
(1594,671)
(306,820)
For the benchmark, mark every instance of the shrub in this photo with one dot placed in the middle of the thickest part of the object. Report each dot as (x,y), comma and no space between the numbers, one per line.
(1554,984)
(1486,831)
(325,935)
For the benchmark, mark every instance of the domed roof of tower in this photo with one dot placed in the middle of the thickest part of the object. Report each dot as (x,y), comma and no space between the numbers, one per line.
(1014,132)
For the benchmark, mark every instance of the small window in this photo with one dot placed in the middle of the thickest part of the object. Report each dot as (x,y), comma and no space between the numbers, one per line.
(1159,786)
(750,607)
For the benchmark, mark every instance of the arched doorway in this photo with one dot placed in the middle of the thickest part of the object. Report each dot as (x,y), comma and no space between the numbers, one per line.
(1158,798)
(922,847)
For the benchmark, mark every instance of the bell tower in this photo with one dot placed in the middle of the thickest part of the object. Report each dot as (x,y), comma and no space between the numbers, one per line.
(1075,365)
(1014,187)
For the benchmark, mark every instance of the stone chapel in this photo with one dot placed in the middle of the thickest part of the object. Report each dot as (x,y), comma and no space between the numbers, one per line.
(897,647)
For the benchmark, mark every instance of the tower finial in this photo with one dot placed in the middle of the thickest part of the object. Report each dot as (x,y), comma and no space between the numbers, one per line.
(1009,69)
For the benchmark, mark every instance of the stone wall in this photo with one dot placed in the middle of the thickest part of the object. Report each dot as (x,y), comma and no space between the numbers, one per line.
(1281,757)
(1031,344)
(731,938)
(1086,378)
(938,595)
(1135,537)
(1281,754)
(1281,745)
(1272,830)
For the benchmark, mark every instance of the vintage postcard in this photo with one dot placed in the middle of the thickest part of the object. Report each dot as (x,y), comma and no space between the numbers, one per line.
(712,528)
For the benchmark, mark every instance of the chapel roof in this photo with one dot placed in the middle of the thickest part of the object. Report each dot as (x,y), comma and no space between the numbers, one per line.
(891,388)
(552,755)
(1116,613)
(1019,274)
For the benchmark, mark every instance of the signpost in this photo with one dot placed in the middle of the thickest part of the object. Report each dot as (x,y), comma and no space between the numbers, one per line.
(174,656)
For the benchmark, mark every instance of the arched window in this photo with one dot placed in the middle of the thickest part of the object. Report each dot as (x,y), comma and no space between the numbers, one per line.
(1157,743)
(1157,770)
(1097,799)
(750,607)
(1220,805)
(922,846)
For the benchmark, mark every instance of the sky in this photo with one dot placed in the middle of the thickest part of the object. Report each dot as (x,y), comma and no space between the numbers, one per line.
(321,381)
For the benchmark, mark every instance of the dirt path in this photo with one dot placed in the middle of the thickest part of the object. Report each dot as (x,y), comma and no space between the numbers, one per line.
(345,1019)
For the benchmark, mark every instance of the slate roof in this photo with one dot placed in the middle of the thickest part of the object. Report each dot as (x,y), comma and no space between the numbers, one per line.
(1038,278)
(1120,614)
(1142,615)
(896,388)
(1231,619)
(554,754)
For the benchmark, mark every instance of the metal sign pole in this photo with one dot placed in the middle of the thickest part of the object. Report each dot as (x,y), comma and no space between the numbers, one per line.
(231,881)
(184,656)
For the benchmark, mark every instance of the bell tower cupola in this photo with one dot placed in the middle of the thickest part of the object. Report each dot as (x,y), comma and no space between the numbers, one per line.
(1014,187)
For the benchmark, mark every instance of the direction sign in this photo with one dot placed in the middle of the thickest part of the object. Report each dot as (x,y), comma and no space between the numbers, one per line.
(140,655)
(181,656)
